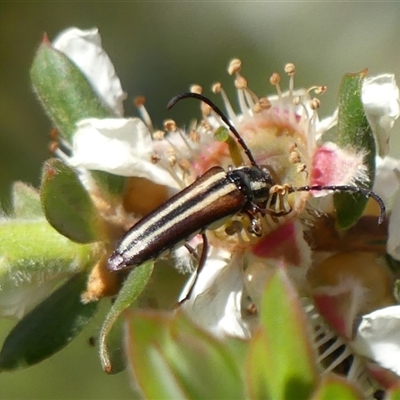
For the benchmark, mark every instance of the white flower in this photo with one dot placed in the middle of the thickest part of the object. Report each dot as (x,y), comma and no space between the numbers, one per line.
(84,49)
(380,97)
(378,337)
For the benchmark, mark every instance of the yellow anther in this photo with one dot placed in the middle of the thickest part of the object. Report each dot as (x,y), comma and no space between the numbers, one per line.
(315,103)
(290,69)
(170,125)
(158,135)
(196,89)
(274,79)
(216,87)
(139,101)
(234,66)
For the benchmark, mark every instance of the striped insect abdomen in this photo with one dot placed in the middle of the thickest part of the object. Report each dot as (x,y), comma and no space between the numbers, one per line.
(211,198)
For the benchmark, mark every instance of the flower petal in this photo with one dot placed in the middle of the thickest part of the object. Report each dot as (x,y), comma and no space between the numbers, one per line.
(118,146)
(84,49)
(378,337)
(215,303)
(380,96)
(386,181)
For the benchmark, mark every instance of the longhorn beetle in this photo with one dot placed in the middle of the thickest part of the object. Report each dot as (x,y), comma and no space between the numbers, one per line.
(210,199)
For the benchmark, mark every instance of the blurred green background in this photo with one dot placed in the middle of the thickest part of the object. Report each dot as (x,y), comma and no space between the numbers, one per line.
(158,50)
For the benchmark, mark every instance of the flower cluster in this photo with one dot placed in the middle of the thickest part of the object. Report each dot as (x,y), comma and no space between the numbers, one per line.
(342,277)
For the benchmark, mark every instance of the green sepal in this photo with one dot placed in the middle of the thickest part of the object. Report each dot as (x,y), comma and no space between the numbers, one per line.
(354,132)
(49,327)
(25,201)
(186,361)
(336,387)
(110,339)
(68,206)
(281,362)
(64,91)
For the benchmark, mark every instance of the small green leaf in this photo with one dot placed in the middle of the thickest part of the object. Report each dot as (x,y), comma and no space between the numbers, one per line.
(49,327)
(282,362)
(172,358)
(204,366)
(64,91)
(67,205)
(354,132)
(334,387)
(26,201)
(113,361)
(147,333)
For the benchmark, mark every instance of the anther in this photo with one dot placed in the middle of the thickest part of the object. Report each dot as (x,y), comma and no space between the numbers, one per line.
(196,89)
(274,79)
(172,160)
(315,103)
(240,82)
(262,104)
(139,101)
(170,125)
(234,66)
(54,134)
(294,157)
(54,146)
(216,87)
(290,69)
(158,135)
(155,158)
(194,136)
(184,164)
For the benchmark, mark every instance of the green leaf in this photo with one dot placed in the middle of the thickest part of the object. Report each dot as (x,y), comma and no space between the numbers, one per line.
(282,362)
(113,361)
(67,97)
(64,91)
(354,132)
(204,366)
(147,333)
(35,258)
(172,358)
(26,201)
(49,327)
(334,387)
(68,206)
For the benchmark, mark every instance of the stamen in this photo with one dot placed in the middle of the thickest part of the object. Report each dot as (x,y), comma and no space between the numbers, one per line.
(217,88)
(315,104)
(139,102)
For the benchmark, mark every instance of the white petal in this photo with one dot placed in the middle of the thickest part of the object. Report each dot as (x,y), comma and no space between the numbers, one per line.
(380,96)
(84,49)
(387,182)
(118,146)
(215,303)
(393,243)
(378,337)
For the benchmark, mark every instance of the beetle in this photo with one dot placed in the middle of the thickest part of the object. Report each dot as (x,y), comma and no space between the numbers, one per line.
(207,203)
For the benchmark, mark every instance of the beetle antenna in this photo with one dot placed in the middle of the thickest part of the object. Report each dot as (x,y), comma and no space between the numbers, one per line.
(219,112)
(347,188)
